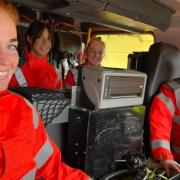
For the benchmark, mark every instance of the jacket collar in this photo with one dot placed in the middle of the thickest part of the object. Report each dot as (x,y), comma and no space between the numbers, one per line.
(30,57)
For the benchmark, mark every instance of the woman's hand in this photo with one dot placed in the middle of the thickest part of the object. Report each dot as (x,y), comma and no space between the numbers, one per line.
(169,165)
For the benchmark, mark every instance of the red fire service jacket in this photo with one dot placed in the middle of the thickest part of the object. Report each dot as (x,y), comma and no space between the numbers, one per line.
(165,122)
(35,72)
(26,151)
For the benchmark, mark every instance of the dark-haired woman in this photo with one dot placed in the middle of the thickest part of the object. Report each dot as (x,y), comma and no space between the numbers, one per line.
(34,69)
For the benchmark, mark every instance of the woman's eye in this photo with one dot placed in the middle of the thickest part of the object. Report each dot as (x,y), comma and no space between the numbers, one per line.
(41,37)
(12,47)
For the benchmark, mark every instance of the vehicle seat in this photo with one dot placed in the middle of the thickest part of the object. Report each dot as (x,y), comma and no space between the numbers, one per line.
(161,65)
(66,48)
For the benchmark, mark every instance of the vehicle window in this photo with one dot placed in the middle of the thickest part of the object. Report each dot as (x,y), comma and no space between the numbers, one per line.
(119,46)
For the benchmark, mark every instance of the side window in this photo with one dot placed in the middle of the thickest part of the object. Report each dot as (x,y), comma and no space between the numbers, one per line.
(119,46)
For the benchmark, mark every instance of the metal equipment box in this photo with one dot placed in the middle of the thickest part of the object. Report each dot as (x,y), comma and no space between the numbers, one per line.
(97,138)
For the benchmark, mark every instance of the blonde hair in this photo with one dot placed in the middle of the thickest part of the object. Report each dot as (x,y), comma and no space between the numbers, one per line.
(11,10)
(95,39)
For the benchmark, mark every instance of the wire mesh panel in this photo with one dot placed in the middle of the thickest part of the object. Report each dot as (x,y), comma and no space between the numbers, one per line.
(98,138)
(112,133)
(49,103)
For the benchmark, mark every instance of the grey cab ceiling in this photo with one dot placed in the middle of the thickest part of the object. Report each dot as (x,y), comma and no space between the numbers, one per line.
(130,15)
(175,20)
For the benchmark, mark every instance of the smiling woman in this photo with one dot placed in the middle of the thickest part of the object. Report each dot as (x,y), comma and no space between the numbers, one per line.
(34,69)
(38,39)
(26,151)
(8,44)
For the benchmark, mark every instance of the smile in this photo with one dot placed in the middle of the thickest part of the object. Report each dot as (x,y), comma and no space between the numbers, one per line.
(44,49)
(3,74)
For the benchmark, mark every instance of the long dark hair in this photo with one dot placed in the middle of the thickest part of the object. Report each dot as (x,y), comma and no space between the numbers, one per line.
(35,30)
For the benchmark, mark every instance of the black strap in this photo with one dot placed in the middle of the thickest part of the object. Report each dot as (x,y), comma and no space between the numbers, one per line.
(79,78)
(83,98)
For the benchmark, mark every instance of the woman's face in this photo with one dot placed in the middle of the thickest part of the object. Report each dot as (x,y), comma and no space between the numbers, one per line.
(95,53)
(8,49)
(42,45)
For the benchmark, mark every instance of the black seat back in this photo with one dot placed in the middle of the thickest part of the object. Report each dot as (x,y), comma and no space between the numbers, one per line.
(67,42)
(162,65)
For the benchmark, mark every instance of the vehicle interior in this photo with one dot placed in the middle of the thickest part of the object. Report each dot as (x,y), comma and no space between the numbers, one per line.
(141,35)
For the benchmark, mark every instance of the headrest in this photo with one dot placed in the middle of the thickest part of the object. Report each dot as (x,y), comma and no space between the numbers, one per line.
(67,42)
(136,60)
(161,66)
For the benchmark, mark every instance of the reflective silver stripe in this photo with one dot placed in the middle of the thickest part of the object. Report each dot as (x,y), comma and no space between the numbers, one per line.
(173,85)
(168,102)
(20,77)
(30,175)
(176,119)
(160,144)
(44,153)
(35,114)
(176,149)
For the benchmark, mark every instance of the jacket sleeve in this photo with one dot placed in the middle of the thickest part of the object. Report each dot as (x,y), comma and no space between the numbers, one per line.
(161,115)
(69,80)
(47,77)
(48,159)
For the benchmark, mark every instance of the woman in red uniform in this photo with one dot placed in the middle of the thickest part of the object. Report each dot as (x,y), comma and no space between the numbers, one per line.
(165,126)
(94,55)
(26,151)
(34,69)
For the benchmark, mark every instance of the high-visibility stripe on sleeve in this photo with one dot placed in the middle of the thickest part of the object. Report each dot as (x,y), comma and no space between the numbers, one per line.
(30,175)
(176,149)
(35,114)
(44,153)
(176,119)
(160,144)
(167,101)
(20,77)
